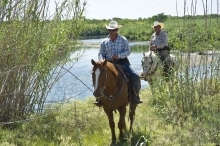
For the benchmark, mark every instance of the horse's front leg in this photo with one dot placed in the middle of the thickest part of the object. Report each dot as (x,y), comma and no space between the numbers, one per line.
(132,114)
(121,123)
(109,113)
(149,80)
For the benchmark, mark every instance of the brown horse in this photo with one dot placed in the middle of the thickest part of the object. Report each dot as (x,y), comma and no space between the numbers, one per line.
(112,89)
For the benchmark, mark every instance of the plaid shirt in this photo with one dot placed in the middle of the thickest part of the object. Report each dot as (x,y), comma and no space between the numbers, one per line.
(160,40)
(119,46)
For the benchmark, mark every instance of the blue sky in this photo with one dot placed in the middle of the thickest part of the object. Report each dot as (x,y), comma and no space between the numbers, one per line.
(133,9)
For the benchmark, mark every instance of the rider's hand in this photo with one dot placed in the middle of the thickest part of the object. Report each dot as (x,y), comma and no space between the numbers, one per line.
(153,48)
(115,56)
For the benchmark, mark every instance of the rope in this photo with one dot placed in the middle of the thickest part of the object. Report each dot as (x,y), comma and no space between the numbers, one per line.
(76,77)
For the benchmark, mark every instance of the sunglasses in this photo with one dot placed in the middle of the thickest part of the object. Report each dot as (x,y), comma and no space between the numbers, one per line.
(112,29)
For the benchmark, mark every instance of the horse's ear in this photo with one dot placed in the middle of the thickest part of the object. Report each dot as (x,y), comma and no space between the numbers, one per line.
(93,62)
(143,54)
(105,62)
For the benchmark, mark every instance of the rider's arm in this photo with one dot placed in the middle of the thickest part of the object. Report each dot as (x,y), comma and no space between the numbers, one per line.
(126,49)
(152,45)
(102,52)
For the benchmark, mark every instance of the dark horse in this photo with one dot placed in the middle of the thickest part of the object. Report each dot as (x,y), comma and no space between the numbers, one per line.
(111,87)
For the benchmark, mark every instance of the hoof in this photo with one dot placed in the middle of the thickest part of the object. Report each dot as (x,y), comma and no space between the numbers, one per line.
(113,144)
(123,140)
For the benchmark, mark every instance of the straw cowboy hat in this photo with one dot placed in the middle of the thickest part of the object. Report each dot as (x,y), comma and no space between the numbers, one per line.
(113,25)
(156,23)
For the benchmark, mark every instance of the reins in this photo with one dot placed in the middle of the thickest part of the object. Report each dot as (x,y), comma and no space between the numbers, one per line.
(149,67)
(151,71)
(111,97)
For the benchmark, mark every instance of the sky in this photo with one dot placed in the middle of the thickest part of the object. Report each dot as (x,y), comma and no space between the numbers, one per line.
(134,9)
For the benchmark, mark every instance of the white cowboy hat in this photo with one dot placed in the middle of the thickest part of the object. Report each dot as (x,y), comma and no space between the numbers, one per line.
(156,23)
(113,25)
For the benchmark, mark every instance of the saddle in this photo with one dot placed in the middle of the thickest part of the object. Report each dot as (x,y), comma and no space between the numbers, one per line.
(122,71)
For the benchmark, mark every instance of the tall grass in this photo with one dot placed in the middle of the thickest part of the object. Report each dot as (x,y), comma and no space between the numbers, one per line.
(192,94)
(33,44)
(82,123)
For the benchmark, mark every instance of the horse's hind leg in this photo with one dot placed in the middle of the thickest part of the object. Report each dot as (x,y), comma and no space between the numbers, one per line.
(121,123)
(109,113)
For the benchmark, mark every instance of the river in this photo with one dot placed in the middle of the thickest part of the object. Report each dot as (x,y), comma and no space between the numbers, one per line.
(69,87)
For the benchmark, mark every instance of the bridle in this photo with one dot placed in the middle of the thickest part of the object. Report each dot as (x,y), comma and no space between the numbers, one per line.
(150,70)
(104,94)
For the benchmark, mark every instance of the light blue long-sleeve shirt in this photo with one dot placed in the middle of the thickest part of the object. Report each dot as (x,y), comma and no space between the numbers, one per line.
(119,46)
(160,40)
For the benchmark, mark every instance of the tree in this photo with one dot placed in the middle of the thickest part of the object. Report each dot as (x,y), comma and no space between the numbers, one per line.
(159,17)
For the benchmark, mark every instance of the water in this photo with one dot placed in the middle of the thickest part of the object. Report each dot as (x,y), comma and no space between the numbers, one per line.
(69,87)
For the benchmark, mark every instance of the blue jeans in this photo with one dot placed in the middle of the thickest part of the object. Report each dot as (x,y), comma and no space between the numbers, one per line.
(133,77)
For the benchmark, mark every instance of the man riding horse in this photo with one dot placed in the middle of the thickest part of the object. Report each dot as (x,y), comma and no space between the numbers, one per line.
(159,44)
(116,47)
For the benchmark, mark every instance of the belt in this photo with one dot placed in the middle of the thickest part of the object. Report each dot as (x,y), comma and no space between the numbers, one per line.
(119,60)
(164,48)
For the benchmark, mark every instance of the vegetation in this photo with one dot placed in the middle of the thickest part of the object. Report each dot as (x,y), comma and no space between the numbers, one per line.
(196,29)
(183,111)
(159,121)
(31,51)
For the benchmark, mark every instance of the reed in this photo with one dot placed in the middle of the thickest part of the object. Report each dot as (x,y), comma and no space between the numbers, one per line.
(194,88)
(33,44)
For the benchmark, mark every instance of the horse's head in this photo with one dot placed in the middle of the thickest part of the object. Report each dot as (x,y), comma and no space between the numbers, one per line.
(99,75)
(148,63)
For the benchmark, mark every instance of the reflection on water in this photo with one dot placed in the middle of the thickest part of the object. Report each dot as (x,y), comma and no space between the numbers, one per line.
(70,87)
(139,48)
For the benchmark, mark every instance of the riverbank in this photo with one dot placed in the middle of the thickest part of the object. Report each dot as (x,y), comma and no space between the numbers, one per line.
(95,43)
(194,59)
(199,58)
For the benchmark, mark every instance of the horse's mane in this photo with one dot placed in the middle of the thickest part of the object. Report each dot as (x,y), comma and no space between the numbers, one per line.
(112,68)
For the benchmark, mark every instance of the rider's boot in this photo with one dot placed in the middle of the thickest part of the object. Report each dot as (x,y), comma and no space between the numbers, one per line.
(136,98)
